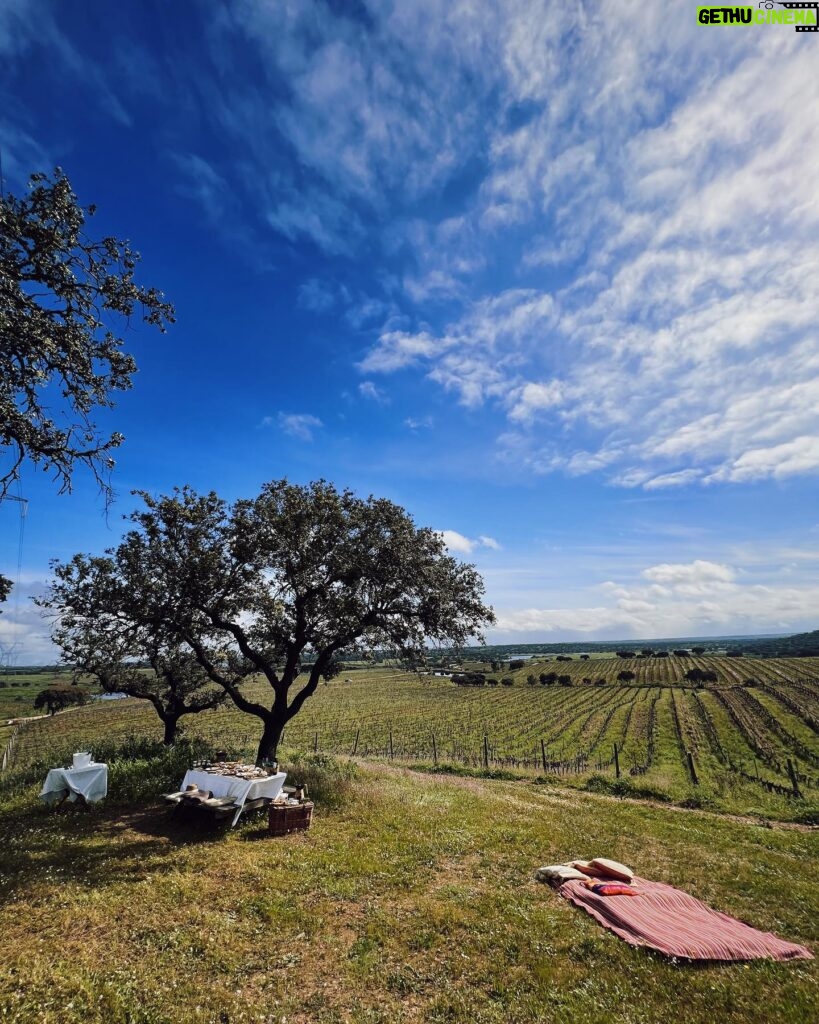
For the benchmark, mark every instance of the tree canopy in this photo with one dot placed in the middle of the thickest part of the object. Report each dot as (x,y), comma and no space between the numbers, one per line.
(60,358)
(59,696)
(99,635)
(296,572)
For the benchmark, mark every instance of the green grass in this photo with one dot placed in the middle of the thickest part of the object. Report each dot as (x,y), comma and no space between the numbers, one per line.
(411,901)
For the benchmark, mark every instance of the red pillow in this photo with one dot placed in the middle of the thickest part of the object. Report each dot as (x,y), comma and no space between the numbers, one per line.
(613,889)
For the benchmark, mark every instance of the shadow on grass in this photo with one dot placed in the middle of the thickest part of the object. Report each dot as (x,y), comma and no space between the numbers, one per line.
(93,846)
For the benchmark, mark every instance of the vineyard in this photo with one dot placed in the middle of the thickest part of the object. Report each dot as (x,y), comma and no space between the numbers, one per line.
(747,741)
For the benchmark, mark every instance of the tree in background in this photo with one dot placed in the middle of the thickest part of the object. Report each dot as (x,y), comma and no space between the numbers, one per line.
(98,630)
(251,589)
(699,675)
(60,696)
(59,294)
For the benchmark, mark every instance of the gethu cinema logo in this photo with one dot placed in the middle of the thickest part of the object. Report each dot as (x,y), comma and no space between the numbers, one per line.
(763,14)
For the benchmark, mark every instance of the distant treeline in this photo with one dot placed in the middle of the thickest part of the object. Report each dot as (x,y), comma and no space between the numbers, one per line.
(31,670)
(801,645)
(507,652)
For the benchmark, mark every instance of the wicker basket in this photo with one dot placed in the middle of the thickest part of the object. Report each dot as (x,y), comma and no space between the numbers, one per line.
(284,818)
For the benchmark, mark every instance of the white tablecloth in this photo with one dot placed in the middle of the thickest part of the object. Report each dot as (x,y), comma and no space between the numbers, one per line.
(90,783)
(239,789)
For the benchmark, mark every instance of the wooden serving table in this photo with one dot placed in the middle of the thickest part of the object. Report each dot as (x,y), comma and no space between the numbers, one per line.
(242,790)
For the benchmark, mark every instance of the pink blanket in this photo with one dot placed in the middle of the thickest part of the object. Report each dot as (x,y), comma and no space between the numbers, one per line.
(671,921)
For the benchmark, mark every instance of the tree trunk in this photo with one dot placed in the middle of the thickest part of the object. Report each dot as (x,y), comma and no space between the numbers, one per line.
(170,722)
(271,736)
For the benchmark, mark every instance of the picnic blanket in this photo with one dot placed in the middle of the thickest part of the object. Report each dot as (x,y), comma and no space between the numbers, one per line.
(674,923)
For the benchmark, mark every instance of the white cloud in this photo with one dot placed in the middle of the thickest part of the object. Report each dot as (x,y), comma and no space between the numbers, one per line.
(298,425)
(681,348)
(696,572)
(465,545)
(679,479)
(24,632)
(369,390)
(700,598)
(360,106)
(794,457)
(533,398)
(398,349)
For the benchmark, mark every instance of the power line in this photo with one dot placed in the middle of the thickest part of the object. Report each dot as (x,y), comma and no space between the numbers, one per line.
(8,650)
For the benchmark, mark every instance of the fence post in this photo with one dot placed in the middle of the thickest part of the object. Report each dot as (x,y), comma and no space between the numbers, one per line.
(391,751)
(434,750)
(11,746)
(543,755)
(485,751)
(355,745)
(315,743)
(691,768)
(794,781)
(616,762)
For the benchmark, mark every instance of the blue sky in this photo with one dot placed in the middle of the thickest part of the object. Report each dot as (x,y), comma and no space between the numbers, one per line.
(546,274)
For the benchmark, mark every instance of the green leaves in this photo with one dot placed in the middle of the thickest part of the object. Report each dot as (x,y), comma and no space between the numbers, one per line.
(58,293)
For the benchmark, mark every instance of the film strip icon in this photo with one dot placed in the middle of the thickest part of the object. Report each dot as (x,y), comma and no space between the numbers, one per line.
(814,6)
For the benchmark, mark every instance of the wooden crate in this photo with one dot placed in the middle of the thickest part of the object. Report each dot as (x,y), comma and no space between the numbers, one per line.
(284,818)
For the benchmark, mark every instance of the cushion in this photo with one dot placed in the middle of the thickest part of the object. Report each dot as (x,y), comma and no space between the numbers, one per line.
(613,869)
(585,866)
(557,873)
(613,889)
(601,867)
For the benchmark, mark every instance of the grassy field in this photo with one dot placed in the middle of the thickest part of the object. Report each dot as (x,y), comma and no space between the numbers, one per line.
(411,902)
(740,737)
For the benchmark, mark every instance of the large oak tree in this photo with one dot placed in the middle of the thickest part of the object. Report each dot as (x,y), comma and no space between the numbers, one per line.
(251,589)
